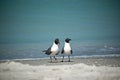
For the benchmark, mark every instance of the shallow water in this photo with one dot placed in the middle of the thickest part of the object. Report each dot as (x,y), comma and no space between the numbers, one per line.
(80,49)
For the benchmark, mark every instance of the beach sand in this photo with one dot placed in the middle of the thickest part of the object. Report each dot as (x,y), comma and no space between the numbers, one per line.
(77,69)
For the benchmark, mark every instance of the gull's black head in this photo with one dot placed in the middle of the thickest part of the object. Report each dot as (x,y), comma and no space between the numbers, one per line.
(67,40)
(57,41)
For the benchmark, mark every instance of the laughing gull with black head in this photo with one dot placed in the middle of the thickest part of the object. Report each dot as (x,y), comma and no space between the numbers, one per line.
(53,50)
(66,50)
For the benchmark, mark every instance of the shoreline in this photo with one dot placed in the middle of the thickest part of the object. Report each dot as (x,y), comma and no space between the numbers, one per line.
(109,61)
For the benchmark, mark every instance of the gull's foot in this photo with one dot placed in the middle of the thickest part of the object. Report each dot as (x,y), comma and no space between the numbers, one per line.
(61,61)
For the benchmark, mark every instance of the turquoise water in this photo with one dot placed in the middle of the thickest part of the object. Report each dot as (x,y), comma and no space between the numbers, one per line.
(43,20)
(29,26)
(81,49)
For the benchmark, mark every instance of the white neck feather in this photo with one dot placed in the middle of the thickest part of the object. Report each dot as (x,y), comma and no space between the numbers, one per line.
(54,47)
(67,46)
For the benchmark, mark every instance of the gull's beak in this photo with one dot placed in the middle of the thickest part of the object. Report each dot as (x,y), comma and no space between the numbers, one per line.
(70,39)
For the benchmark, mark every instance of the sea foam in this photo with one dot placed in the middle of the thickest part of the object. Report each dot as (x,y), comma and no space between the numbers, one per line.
(18,71)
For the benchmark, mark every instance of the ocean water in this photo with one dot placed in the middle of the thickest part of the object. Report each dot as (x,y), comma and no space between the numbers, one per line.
(80,49)
(28,27)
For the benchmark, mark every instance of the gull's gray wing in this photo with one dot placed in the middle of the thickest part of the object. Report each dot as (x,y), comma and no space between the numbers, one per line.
(62,50)
(48,51)
(71,51)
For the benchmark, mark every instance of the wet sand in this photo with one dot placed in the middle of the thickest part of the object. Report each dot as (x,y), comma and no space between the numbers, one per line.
(113,61)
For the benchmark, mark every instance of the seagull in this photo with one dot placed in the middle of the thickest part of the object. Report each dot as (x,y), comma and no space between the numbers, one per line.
(53,50)
(66,50)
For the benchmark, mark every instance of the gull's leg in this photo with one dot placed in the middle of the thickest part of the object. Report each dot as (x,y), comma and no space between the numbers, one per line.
(69,58)
(55,58)
(62,58)
(51,58)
